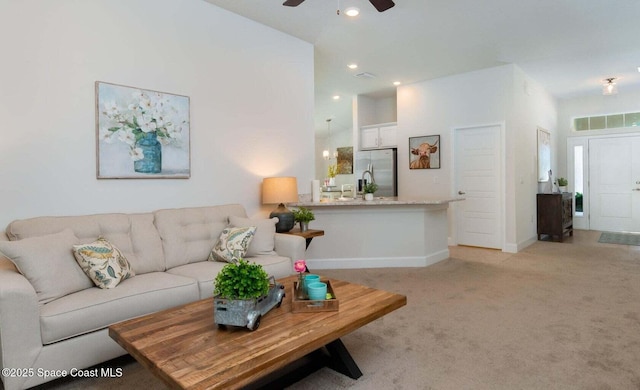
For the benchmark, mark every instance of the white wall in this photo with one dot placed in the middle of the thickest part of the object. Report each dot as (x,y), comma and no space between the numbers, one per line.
(532,107)
(491,96)
(244,81)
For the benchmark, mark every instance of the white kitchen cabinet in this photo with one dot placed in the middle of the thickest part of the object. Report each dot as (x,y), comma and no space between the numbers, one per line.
(379,136)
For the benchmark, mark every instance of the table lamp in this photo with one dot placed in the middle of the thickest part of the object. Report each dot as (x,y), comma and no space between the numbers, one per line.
(280,190)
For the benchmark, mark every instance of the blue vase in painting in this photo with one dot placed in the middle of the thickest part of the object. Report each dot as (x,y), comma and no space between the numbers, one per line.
(152,152)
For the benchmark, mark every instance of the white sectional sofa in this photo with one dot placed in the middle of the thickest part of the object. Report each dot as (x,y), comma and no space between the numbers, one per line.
(63,325)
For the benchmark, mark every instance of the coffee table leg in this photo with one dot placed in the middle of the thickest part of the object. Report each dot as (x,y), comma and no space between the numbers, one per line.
(341,360)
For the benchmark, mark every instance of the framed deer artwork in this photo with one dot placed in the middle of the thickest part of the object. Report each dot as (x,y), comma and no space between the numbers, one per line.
(424,152)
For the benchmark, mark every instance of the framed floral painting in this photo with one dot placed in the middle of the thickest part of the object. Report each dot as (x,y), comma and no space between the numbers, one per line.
(141,134)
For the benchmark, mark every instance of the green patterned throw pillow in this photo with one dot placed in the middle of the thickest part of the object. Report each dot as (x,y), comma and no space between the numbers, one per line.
(105,265)
(232,244)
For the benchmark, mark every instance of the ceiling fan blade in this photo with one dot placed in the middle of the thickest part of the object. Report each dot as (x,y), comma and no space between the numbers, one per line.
(292,3)
(382,5)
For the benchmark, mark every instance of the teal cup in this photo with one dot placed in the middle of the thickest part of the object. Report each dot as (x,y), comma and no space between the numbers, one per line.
(317,291)
(308,279)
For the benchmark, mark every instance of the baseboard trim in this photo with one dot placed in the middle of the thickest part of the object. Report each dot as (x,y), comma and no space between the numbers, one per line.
(378,262)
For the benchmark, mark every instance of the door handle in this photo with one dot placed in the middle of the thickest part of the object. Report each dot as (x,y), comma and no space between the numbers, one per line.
(635,189)
(462,192)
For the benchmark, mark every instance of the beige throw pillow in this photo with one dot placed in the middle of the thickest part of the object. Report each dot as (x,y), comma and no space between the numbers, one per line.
(103,263)
(232,244)
(47,262)
(263,242)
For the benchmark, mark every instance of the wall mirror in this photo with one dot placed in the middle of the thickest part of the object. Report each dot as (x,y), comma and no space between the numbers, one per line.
(544,155)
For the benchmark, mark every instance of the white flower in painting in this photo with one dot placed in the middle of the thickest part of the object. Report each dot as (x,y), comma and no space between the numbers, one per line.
(159,118)
(147,123)
(127,137)
(106,135)
(145,105)
(162,101)
(136,154)
(175,133)
(135,108)
(111,109)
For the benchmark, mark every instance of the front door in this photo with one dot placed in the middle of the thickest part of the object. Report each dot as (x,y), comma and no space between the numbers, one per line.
(614,178)
(478,180)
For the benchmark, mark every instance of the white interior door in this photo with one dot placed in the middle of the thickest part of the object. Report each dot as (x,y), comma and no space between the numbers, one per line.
(614,178)
(478,179)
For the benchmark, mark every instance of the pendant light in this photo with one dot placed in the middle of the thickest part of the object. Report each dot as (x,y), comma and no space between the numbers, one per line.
(609,88)
(326,154)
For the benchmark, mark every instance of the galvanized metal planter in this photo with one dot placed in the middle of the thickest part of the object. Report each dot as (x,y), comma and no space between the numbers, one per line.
(247,312)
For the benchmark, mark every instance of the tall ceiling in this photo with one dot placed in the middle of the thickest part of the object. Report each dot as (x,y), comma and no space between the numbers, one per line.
(569,46)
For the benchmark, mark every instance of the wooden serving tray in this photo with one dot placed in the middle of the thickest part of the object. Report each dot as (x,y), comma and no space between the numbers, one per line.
(310,306)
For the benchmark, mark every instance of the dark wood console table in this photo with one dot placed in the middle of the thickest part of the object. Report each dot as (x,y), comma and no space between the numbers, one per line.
(555,215)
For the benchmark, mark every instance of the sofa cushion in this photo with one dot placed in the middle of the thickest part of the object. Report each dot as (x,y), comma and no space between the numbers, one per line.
(47,262)
(103,263)
(134,234)
(188,234)
(205,271)
(263,242)
(232,244)
(94,308)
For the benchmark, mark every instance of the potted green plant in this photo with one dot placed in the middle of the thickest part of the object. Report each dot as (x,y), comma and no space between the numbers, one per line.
(562,184)
(243,293)
(369,189)
(241,280)
(304,216)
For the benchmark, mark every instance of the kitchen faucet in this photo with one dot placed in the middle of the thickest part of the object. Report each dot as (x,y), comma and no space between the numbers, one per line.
(370,172)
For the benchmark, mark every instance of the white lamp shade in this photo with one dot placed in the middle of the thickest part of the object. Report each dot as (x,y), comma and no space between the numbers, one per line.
(279,190)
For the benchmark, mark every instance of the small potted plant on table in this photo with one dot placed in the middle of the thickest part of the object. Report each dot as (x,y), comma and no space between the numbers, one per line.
(304,216)
(243,293)
(562,184)
(369,189)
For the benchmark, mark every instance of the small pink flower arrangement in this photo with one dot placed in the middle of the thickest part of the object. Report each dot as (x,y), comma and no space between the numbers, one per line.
(300,266)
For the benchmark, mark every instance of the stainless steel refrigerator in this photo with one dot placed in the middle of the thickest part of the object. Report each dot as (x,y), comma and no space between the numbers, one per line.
(384,165)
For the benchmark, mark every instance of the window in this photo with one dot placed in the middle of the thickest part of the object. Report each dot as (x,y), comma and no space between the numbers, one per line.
(630,119)
(578,184)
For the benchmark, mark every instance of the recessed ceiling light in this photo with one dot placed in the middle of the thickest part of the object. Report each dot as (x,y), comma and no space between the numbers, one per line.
(352,66)
(336,97)
(352,11)
(396,83)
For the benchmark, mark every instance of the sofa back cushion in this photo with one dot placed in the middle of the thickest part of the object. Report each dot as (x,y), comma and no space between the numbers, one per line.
(189,234)
(47,262)
(134,234)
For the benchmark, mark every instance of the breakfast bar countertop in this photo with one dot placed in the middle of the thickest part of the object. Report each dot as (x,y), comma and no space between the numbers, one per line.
(380,201)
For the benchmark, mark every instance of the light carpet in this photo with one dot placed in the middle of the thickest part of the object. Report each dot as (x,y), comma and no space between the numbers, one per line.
(553,316)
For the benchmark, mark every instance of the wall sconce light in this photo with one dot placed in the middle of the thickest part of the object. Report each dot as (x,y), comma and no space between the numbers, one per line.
(280,190)
(609,88)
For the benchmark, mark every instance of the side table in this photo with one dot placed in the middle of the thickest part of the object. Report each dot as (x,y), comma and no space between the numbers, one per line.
(307,234)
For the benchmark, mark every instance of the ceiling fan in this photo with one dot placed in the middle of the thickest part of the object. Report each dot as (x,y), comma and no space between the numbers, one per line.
(381,5)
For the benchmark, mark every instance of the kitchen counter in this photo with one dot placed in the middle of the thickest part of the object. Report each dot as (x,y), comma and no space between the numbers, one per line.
(379,201)
(384,232)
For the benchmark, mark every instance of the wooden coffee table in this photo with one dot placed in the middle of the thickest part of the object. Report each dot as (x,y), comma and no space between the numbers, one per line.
(184,347)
